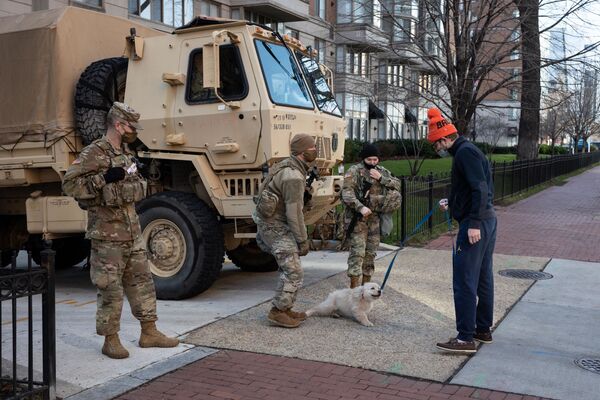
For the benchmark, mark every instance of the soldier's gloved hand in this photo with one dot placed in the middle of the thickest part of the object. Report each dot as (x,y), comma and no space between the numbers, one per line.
(114,174)
(303,248)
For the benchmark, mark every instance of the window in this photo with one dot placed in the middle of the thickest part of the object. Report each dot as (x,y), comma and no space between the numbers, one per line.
(513,114)
(318,84)
(515,54)
(236,13)
(292,32)
(320,47)
(93,3)
(233,80)
(210,9)
(357,113)
(404,29)
(284,79)
(261,19)
(359,12)
(352,61)
(395,113)
(321,7)
(395,75)
(513,94)
(170,12)
(425,83)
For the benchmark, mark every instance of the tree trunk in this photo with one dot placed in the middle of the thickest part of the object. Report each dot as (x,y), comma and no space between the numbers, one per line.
(529,123)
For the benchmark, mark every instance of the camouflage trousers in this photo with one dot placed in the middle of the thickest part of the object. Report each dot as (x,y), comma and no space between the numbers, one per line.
(277,239)
(363,242)
(117,268)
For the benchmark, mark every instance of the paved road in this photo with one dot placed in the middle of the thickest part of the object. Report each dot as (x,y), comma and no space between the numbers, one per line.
(560,222)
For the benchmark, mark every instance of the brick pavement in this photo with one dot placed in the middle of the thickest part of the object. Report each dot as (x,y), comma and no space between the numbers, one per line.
(240,375)
(559,222)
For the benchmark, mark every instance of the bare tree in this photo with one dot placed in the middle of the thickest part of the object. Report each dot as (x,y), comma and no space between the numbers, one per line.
(491,128)
(553,126)
(582,110)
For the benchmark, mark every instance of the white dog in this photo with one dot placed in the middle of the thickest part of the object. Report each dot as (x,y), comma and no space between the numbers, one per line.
(354,303)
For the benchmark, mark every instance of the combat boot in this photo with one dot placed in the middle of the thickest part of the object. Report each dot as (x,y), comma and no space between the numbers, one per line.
(354,281)
(282,318)
(113,348)
(366,279)
(152,337)
(298,315)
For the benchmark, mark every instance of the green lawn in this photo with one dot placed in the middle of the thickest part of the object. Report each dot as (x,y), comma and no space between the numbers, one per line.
(437,165)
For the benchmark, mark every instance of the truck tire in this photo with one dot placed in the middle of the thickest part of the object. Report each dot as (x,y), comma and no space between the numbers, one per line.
(99,86)
(70,251)
(250,258)
(184,241)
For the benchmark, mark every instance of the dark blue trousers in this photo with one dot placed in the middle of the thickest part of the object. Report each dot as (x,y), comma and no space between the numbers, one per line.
(473,280)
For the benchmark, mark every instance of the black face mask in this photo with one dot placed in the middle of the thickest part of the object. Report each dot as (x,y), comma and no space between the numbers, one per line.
(369,166)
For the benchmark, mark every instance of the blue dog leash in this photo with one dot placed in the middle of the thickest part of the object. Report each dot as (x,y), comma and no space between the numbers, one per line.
(414,231)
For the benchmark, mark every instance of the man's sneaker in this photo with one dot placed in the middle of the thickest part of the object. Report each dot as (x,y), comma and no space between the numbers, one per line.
(454,346)
(483,337)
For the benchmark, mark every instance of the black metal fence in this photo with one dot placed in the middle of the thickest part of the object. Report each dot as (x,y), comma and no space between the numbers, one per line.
(420,194)
(21,291)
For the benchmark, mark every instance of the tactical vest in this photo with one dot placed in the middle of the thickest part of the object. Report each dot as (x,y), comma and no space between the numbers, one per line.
(267,200)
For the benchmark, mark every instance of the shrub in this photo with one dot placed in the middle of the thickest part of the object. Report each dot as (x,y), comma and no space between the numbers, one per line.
(547,149)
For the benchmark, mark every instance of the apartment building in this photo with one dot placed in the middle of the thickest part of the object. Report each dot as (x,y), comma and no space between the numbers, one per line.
(376,82)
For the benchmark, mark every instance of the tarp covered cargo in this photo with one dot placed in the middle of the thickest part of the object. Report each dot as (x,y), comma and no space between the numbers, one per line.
(42,56)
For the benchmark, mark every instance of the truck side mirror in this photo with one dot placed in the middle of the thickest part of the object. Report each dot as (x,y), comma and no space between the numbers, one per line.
(211,66)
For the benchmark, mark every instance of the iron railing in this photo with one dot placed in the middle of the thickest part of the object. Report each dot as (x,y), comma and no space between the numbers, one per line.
(421,193)
(21,291)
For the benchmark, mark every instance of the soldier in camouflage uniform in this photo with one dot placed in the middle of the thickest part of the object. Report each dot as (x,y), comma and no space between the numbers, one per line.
(104,180)
(281,229)
(364,239)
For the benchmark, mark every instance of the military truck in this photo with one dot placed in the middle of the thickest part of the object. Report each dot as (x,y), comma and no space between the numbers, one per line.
(219,101)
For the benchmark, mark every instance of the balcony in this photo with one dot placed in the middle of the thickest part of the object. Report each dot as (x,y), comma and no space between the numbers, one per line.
(281,11)
(362,34)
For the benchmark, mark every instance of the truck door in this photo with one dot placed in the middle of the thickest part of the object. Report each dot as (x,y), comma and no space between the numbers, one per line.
(230,135)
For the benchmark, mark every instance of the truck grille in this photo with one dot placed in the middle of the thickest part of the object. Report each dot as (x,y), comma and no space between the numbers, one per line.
(324,148)
(238,186)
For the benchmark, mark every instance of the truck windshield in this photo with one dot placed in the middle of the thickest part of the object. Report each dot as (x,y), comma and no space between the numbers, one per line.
(318,84)
(283,77)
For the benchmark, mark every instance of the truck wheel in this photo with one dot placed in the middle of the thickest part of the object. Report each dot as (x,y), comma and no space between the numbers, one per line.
(99,86)
(184,241)
(249,257)
(69,251)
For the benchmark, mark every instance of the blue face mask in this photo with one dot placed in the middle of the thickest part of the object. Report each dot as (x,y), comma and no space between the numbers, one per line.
(443,153)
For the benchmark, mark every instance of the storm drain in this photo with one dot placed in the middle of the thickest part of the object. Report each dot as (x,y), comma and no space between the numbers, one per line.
(589,364)
(525,274)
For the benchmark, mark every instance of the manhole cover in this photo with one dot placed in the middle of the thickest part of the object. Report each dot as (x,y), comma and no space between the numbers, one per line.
(525,274)
(589,364)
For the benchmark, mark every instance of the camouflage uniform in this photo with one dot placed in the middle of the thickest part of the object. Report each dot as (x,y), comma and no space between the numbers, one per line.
(118,258)
(364,239)
(281,233)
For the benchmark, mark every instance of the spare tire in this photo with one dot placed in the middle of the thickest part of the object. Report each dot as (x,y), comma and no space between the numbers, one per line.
(99,86)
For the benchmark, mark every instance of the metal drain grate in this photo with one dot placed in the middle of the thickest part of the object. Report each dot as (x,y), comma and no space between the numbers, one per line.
(525,274)
(589,364)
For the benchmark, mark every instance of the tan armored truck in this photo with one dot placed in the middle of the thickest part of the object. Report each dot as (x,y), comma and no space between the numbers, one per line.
(219,102)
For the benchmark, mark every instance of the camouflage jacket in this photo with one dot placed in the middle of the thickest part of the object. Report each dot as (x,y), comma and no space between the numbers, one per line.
(288,184)
(111,207)
(354,181)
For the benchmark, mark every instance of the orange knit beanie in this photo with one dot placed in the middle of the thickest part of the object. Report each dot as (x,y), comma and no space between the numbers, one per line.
(439,127)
